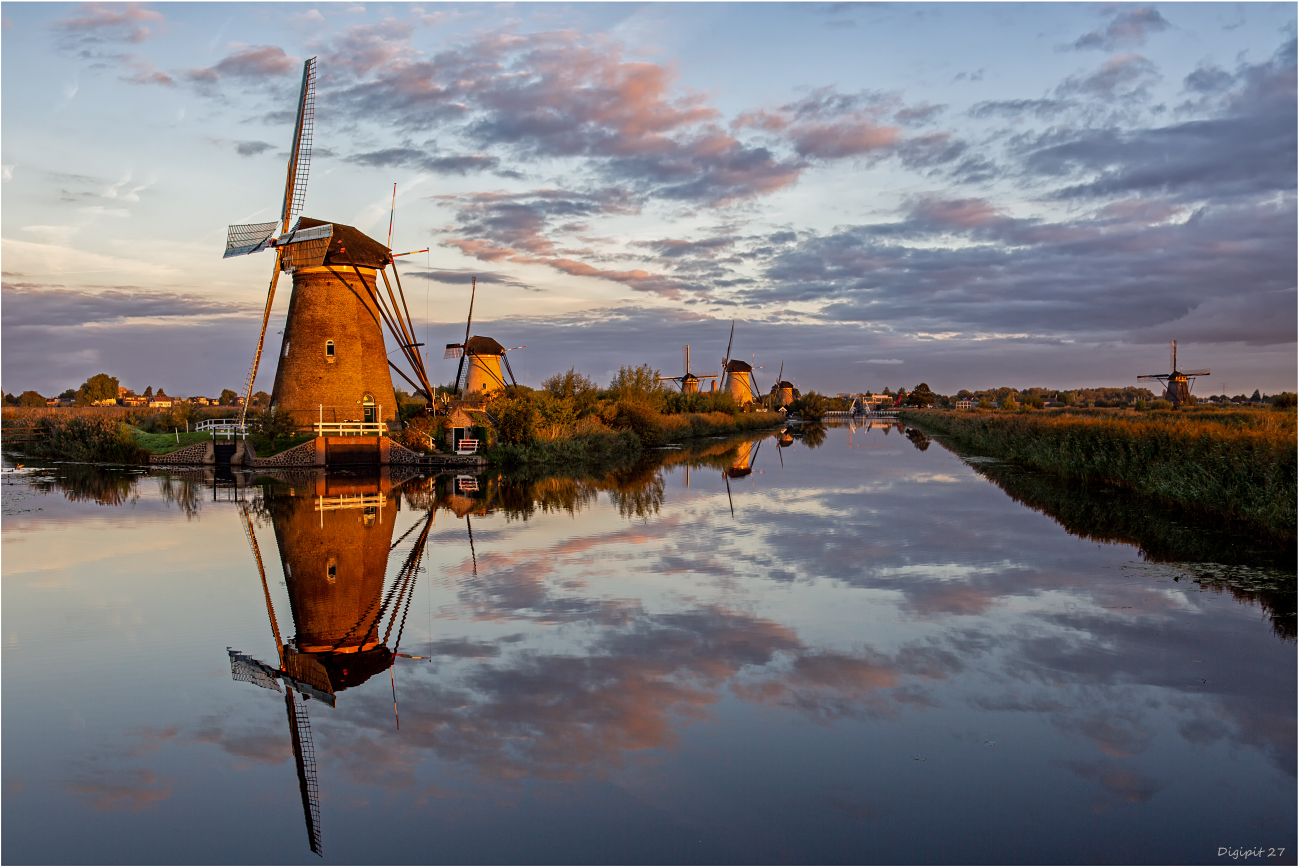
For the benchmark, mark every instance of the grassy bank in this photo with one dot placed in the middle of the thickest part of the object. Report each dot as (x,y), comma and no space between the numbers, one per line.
(1239,465)
(166,443)
(631,430)
(85,438)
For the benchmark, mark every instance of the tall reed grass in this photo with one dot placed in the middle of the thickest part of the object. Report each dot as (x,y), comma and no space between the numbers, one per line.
(1238,464)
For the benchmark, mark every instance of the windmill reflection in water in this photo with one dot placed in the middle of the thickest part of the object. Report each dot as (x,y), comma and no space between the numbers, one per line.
(334,547)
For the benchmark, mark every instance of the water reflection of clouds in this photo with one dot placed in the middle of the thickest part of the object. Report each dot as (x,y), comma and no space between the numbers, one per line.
(860,591)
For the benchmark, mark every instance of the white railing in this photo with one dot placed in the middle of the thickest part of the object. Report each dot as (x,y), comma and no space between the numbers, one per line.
(350,428)
(466,447)
(222,426)
(350,501)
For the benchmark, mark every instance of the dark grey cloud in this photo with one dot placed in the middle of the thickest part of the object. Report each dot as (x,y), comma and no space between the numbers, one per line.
(1126,267)
(464,278)
(1129,27)
(416,158)
(463,648)
(1039,108)
(1247,147)
(252,148)
(1208,78)
(30,305)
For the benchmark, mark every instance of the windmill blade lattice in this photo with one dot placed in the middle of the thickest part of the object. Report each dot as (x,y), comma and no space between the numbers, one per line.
(249,238)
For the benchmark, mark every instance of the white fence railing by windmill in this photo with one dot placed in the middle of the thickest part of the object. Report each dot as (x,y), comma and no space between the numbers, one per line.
(350,428)
(223,426)
(325,428)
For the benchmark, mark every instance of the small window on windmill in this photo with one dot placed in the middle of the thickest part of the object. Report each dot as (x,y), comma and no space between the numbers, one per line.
(286,349)
(368,515)
(329,351)
(332,570)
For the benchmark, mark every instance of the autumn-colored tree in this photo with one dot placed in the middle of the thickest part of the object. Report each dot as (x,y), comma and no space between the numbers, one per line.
(101,386)
(30,398)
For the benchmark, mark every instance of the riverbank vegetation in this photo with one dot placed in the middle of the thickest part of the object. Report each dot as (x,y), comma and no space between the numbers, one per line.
(1237,464)
(570,421)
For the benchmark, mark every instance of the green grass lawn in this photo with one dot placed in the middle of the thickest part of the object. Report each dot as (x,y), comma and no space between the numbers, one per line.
(165,443)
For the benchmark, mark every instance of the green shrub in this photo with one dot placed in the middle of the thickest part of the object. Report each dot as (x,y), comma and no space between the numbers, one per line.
(811,406)
(516,415)
(87,438)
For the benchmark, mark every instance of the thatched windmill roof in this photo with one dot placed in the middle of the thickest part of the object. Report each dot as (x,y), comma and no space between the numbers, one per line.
(483,346)
(350,246)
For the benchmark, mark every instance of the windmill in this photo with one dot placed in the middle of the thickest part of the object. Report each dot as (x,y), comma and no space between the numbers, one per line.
(783,393)
(486,358)
(1178,389)
(688,382)
(334,571)
(332,359)
(737,376)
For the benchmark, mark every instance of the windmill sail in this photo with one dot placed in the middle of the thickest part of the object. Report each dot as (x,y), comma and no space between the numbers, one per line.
(295,190)
(249,238)
(304,756)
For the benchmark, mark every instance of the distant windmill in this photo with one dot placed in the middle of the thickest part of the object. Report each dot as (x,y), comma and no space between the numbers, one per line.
(333,354)
(737,376)
(688,382)
(1178,389)
(783,393)
(486,357)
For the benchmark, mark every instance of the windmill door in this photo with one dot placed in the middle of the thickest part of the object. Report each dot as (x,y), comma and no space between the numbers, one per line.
(368,405)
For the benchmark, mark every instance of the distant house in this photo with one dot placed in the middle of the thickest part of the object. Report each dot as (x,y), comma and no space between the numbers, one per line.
(51,401)
(134,400)
(160,401)
(203,401)
(966,403)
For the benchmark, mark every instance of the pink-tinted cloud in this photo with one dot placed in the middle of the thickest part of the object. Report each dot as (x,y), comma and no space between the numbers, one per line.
(109,22)
(145,72)
(255,62)
(130,790)
(829,125)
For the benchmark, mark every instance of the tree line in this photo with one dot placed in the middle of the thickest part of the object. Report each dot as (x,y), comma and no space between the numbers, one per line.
(101,388)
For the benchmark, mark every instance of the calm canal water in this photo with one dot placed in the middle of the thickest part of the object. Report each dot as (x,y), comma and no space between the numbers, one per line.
(858,648)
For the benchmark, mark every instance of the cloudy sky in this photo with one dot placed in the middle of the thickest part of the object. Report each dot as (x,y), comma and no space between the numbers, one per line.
(968,195)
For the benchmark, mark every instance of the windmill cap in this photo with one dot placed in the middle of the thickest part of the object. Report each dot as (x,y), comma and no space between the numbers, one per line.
(350,246)
(738,366)
(484,346)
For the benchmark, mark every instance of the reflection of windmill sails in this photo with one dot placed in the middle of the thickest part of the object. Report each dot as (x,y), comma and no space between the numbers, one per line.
(334,563)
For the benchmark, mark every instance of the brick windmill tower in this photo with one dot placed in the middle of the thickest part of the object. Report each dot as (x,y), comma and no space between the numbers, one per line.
(333,365)
(738,376)
(483,366)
